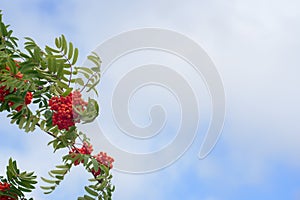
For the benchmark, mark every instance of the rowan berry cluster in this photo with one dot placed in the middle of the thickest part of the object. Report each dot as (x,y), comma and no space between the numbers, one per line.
(87,149)
(64,113)
(3,188)
(27,100)
(18,75)
(103,159)
(4,91)
(6,198)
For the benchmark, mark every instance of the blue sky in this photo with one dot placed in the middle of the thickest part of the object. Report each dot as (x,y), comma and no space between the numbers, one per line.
(254,45)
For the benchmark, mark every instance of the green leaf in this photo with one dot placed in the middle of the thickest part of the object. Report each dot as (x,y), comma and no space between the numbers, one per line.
(47,187)
(90,191)
(85,69)
(79,81)
(86,197)
(95,164)
(95,59)
(63,167)
(61,172)
(47,48)
(96,69)
(57,43)
(75,57)
(64,44)
(48,181)
(61,84)
(70,54)
(67,92)
(21,122)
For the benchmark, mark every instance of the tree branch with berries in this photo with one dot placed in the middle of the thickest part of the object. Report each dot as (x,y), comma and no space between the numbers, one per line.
(38,90)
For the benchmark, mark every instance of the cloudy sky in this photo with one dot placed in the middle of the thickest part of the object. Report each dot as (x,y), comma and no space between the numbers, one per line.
(254,46)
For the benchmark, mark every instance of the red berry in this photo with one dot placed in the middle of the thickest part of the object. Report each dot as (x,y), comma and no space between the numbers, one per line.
(4,186)
(64,114)
(28,98)
(86,149)
(103,159)
(3,93)
(19,75)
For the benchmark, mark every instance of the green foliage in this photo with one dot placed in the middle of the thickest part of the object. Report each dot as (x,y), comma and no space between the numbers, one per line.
(20,182)
(63,140)
(7,41)
(90,113)
(57,176)
(102,188)
(91,75)
(46,73)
